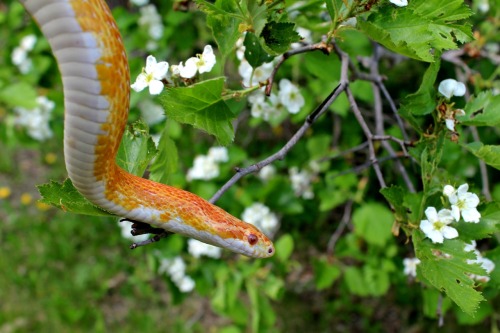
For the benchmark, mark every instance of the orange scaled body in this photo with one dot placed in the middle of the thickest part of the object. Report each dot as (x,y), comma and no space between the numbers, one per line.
(93,63)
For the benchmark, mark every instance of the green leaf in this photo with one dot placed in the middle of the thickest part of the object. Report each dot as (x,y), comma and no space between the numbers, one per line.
(136,149)
(278,36)
(489,224)
(373,222)
(395,196)
(325,274)
(254,53)
(284,247)
(201,105)
(66,197)
(367,281)
(165,163)
(19,94)
(420,28)
(423,101)
(488,153)
(483,110)
(223,24)
(445,267)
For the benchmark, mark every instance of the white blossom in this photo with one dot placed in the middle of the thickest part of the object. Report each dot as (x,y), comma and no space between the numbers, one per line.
(301,183)
(463,203)
(152,20)
(262,217)
(267,172)
(176,269)
(139,2)
(204,167)
(399,3)
(126,228)
(436,226)
(263,108)
(451,87)
(186,284)
(19,54)
(151,76)
(410,266)
(240,49)
(483,6)
(218,154)
(198,249)
(202,63)
(252,77)
(289,95)
(151,112)
(36,121)
(485,263)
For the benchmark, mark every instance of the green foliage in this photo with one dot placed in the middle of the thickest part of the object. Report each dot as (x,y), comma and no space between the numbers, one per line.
(202,106)
(488,153)
(445,267)
(420,27)
(136,149)
(482,110)
(66,197)
(254,53)
(278,36)
(344,228)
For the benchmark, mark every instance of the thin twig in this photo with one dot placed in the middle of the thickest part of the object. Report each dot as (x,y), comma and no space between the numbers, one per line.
(346,217)
(369,136)
(280,154)
(323,47)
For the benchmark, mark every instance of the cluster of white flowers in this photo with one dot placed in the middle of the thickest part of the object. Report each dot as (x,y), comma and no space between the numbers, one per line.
(301,182)
(252,77)
(19,55)
(176,269)
(267,173)
(151,20)
(399,3)
(151,112)
(126,228)
(140,2)
(36,121)
(202,63)
(449,88)
(152,76)
(156,74)
(198,249)
(485,263)
(410,266)
(437,226)
(206,167)
(288,99)
(262,217)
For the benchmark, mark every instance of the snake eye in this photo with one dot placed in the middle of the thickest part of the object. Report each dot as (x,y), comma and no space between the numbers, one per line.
(252,239)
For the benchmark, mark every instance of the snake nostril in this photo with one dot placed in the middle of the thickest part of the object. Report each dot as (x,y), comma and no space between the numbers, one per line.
(270,250)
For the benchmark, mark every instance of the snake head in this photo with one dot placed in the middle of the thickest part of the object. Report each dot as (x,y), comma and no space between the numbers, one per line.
(258,245)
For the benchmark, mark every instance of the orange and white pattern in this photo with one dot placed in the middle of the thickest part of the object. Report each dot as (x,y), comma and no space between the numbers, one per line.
(93,63)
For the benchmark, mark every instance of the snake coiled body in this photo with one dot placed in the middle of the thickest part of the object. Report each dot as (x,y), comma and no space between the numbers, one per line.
(93,63)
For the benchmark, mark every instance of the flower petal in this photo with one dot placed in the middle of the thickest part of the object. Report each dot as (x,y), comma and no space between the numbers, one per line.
(160,70)
(155,87)
(449,232)
(431,214)
(471,215)
(140,83)
(447,87)
(150,64)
